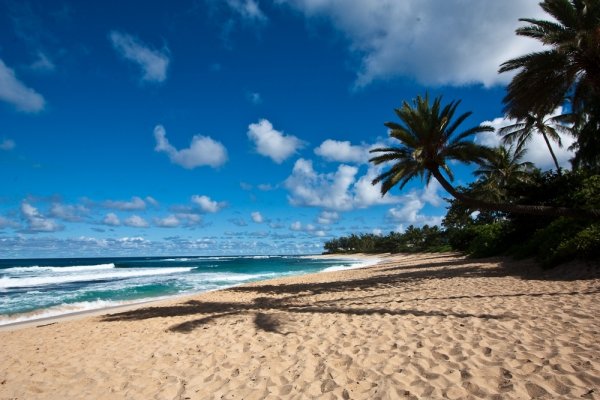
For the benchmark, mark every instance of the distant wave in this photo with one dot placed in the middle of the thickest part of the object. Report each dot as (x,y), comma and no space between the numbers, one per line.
(74,268)
(229,277)
(18,282)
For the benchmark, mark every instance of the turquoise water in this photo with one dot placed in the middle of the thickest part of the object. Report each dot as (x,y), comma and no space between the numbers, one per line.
(38,288)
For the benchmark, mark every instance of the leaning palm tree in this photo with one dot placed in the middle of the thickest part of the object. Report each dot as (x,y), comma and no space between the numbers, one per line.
(569,64)
(429,139)
(504,168)
(522,132)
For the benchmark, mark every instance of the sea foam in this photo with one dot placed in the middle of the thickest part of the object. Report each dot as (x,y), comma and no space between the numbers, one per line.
(20,282)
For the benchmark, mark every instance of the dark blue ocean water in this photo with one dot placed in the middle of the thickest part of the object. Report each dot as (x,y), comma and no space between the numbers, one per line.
(37,288)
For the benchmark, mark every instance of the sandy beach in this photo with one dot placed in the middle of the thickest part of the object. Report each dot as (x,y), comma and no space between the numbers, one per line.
(427,326)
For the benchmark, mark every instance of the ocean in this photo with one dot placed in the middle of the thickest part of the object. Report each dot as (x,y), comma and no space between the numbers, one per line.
(38,288)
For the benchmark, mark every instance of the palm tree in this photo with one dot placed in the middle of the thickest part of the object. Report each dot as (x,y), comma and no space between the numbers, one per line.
(504,168)
(571,64)
(522,132)
(429,139)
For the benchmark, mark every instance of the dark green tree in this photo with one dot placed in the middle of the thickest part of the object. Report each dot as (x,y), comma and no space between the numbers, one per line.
(502,169)
(429,139)
(569,67)
(550,129)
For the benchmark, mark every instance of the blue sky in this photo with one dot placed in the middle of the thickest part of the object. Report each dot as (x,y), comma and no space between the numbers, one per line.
(228,126)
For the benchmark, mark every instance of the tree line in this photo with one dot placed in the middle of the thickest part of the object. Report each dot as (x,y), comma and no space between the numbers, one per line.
(511,207)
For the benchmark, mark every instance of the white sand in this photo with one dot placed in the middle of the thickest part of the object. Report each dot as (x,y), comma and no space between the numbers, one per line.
(415,326)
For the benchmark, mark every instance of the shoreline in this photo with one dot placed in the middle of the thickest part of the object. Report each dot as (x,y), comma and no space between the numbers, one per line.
(128,306)
(413,326)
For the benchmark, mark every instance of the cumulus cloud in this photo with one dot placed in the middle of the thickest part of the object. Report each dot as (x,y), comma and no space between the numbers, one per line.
(152,201)
(328,217)
(312,230)
(448,42)
(170,221)
(36,222)
(343,151)
(337,191)
(7,223)
(111,219)
(66,212)
(257,217)
(271,143)
(154,63)
(14,92)
(331,191)
(208,205)
(134,204)
(7,144)
(202,151)
(135,221)
(409,209)
(537,150)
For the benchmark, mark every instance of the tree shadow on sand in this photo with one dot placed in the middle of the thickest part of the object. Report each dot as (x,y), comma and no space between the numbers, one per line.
(272,300)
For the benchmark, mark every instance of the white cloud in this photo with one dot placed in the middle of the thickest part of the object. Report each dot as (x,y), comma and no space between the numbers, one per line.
(71,213)
(257,217)
(7,144)
(330,191)
(7,223)
(328,217)
(135,203)
(135,221)
(154,63)
(308,228)
(436,42)
(36,222)
(16,93)
(367,194)
(170,221)
(537,150)
(296,226)
(271,143)
(409,212)
(111,219)
(189,219)
(152,201)
(338,191)
(202,151)
(207,205)
(430,193)
(342,151)
(247,9)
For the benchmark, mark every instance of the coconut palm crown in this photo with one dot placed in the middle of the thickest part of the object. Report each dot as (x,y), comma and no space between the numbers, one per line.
(430,138)
(550,128)
(505,168)
(568,66)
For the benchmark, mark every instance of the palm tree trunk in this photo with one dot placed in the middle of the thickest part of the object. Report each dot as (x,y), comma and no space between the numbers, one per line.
(551,152)
(513,208)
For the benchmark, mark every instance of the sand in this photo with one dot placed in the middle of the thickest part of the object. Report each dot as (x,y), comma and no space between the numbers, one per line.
(433,326)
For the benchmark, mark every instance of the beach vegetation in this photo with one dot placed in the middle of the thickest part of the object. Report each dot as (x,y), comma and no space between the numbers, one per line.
(511,207)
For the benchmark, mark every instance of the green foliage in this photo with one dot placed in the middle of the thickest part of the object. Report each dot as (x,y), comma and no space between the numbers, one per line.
(488,239)
(428,138)
(413,240)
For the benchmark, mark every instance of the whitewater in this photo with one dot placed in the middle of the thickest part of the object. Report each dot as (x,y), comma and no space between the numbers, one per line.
(34,289)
